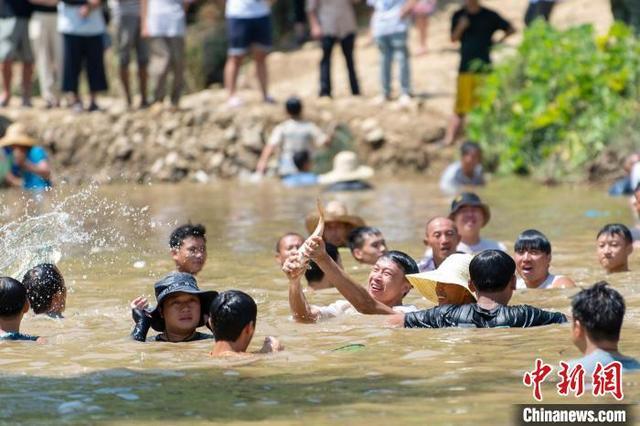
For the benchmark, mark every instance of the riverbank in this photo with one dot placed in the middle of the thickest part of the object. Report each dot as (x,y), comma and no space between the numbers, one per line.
(206,140)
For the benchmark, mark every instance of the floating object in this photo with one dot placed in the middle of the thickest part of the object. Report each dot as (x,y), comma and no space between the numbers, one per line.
(139,264)
(352,347)
(593,214)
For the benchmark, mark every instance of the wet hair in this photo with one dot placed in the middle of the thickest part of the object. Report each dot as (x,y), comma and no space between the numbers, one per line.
(314,273)
(616,229)
(42,283)
(301,159)
(532,239)
(185,231)
(358,236)
(600,309)
(468,147)
(403,260)
(13,296)
(491,270)
(230,312)
(288,234)
(293,105)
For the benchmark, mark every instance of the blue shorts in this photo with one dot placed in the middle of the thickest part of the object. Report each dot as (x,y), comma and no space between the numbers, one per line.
(244,33)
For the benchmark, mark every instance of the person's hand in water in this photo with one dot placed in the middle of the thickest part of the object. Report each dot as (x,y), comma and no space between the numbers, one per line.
(270,345)
(140,303)
(141,317)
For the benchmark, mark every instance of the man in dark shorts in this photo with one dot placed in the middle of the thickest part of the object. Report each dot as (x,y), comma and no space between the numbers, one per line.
(180,310)
(473,26)
(493,280)
(13,305)
(248,28)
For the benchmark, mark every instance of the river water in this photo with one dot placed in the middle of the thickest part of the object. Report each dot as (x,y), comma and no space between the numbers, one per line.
(90,372)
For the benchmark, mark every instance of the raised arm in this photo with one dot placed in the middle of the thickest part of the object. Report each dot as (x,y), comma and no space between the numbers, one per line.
(357,295)
(300,309)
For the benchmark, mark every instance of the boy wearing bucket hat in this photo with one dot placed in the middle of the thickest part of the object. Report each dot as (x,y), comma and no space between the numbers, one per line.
(470,215)
(30,168)
(447,285)
(338,223)
(347,174)
(386,288)
(180,310)
(492,279)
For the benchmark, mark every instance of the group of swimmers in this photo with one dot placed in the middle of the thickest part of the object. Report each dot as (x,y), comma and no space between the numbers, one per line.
(469,278)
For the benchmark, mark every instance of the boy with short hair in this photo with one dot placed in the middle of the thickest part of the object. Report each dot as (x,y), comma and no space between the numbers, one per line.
(288,244)
(188,245)
(493,280)
(598,312)
(291,136)
(304,176)
(13,305)
(179,312)
(614,246)
(466,172)
(46,290)
(316,278)
(367,244)
(232,318)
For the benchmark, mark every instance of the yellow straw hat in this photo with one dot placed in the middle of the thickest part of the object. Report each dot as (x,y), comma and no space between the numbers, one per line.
(16,134)
(334,211)
(453,270)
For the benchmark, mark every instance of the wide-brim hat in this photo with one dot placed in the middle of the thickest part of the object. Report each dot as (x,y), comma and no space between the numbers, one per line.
(179,282)
(334,211)
(16,134)
(453,270)
(346,168)
(469,199)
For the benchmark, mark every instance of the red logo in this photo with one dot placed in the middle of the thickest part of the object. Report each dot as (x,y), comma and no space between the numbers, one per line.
(536,377)
(571,380)
(608,379)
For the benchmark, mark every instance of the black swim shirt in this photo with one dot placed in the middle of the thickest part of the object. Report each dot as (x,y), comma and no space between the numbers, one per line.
(473,316)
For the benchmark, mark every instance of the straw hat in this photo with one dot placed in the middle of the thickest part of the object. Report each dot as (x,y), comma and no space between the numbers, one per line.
(346,168)
(335,211)
(453,270)
(16,134)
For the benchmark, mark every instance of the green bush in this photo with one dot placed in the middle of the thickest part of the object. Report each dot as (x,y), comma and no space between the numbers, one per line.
(554,106)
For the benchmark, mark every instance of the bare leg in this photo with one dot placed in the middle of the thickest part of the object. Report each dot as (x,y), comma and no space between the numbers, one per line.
(27,75)
(142,80)
(456,124)
(231,71)
(262,74)
(124,78)
(7,74)
(422,23)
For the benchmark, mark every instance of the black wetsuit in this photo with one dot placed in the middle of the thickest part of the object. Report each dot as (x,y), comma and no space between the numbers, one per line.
(473,316)
(194,337)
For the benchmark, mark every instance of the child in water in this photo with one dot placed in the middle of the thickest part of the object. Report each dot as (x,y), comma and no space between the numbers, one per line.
(13,306)
(46,290)
(232,318)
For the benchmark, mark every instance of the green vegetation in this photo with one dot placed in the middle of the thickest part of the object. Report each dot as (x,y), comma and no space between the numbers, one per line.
(560,102)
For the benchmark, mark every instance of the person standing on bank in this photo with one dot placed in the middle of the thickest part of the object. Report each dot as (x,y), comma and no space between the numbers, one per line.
(333,21)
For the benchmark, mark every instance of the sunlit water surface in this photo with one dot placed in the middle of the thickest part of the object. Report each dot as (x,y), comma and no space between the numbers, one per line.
(90,372)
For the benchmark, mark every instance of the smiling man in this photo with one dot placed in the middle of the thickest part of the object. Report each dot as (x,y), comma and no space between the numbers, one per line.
(470,215)
(533,258)
(188,244)
(386,287)
(614,246)
(442,239)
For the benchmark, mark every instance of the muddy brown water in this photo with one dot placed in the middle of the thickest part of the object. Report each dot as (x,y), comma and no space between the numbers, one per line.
(91,373)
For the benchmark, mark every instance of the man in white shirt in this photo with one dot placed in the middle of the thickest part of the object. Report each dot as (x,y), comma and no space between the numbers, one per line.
(386,288)
(470,215)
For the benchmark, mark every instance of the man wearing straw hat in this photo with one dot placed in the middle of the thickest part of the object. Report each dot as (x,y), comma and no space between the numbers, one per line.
(30,168)
(347,174)
(338,223)
(447,285)
(386,287)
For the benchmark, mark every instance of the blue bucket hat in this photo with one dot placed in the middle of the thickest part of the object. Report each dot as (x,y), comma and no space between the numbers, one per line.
(179,282)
